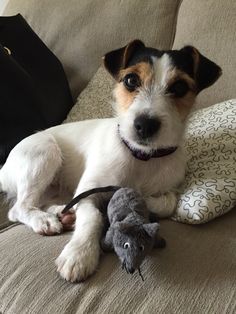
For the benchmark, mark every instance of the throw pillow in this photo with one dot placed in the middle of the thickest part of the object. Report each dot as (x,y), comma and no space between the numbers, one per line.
(209,189)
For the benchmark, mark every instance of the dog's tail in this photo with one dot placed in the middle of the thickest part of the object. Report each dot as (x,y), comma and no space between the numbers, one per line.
(109,188)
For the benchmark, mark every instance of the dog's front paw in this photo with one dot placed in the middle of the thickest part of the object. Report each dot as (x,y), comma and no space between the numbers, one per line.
(12,214)
(67,219)
(45,223)
(78,261)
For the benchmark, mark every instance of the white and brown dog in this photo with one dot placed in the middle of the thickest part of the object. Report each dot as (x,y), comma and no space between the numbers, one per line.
(140,148)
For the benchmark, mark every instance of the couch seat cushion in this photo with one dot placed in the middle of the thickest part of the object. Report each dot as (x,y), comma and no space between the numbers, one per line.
(195,273)
(4,207)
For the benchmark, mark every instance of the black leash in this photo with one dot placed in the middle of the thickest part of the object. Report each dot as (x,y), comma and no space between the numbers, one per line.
(75,200)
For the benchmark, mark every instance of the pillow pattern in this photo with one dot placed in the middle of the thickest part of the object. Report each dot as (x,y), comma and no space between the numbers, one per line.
(209,189)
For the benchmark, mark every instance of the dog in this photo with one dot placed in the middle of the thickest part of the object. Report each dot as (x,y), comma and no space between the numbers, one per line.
(140,148)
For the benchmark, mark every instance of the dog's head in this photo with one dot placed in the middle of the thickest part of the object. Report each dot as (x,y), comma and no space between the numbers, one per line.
(156,90)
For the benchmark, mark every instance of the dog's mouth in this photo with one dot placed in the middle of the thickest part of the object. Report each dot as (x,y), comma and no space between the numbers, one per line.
(145,155)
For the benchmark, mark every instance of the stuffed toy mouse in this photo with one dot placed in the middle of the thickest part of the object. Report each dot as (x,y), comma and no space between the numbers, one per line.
(130,234)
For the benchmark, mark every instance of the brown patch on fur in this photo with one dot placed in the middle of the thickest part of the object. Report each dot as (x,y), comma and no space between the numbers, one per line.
(175,74)
(142,69)
(185,103)
(124,98)
(196,59)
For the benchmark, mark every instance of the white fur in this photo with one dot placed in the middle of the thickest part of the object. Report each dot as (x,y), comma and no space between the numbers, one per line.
(50,167)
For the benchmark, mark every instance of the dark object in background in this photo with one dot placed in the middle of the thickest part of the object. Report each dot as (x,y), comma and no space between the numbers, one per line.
(34,92)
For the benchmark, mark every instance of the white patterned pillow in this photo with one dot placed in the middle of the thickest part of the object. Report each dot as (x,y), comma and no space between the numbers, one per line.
(209,190)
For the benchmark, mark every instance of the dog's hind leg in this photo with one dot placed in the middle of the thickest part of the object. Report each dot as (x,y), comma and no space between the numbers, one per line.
(30,169)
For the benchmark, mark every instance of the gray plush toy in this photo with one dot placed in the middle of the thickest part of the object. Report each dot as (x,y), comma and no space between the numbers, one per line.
(130,234)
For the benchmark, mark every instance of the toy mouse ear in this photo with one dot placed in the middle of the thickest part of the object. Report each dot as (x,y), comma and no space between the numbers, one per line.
(122,226)
(206,71)
(151,229)
(117,60)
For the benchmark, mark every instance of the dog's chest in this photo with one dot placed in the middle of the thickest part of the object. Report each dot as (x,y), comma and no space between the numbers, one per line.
(155,176)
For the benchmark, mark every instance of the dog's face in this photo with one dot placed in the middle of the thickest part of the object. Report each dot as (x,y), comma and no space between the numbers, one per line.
(156,90)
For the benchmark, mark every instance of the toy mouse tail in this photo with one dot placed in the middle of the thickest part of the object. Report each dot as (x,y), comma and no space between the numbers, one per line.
(75,200)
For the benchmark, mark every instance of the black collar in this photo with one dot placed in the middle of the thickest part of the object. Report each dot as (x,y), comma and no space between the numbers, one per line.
(141,155)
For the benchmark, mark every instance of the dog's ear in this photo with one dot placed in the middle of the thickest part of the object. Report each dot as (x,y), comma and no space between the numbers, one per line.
(117,60)
(206,71)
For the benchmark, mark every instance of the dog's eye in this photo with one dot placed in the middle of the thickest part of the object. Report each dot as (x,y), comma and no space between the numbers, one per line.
(178,88)
(131,81)
(126,245)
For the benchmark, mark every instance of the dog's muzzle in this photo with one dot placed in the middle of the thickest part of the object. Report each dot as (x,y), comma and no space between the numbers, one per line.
(145,156)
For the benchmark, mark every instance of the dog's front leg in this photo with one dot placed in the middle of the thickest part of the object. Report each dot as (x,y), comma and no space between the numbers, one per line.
(80,256)
(163,205)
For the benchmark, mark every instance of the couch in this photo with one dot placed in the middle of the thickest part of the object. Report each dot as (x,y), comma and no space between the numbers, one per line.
(196,272)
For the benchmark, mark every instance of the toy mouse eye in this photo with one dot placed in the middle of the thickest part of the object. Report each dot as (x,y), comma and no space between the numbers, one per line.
(126,245)
(141,247)
(131,81)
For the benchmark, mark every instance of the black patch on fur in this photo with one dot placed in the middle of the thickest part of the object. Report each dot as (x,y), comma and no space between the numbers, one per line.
(119,59)
(182,60)
(207,73)
(135,52)
(144,55)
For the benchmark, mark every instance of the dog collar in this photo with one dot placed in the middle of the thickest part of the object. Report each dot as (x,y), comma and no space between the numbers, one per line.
(141,155)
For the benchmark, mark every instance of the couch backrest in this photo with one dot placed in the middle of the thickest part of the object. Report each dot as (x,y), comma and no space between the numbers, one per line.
(211,27)
(79,32)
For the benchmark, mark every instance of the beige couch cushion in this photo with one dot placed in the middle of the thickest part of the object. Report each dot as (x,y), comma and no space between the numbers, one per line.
(194,274)
(80,32)
(95,101)
(211,27)
(4,206)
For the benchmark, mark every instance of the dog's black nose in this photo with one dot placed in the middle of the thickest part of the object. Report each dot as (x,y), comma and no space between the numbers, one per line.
(146,126)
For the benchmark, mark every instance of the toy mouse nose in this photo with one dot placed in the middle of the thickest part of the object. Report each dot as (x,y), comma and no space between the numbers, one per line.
(131,270)
(145,126)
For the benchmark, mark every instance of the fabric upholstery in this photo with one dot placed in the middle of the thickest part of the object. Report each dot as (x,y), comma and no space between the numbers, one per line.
(209,188)
(4,207)
(195,273)
(3,4)
(210,27)
(80,32)
(95,101)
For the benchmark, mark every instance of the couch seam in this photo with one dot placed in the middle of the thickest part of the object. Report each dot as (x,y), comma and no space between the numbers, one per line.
(175,24)
(8,227)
